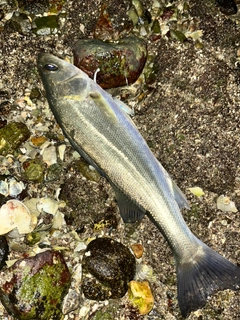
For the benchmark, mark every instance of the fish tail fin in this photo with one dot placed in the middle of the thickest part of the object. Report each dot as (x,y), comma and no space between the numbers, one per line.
(207,273)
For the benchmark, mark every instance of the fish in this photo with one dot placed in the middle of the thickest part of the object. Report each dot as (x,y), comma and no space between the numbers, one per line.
(106,136)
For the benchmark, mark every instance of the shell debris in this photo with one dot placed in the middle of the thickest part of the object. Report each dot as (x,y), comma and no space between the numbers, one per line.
(14,214)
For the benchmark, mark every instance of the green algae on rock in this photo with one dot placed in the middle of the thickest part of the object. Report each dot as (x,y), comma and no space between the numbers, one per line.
(34,170)
(37,287)
(12,136)
(108,266)
(120,62)
(46,25)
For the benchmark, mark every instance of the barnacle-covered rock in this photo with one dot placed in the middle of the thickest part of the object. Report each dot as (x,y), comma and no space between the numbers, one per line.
(36,287)
(12,136)
(108,266)
(120,62)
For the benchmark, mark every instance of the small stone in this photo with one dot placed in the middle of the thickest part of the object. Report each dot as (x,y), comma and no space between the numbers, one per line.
(4,251)
(37,287)
(88,172)
(12,136)
(141,296)
(137,249)
(227,7)
(34,170)
(177,35)
(38,141)
(46,25)
(108,266)
(120,62)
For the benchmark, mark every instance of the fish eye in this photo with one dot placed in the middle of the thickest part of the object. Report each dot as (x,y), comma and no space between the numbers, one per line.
(51,67)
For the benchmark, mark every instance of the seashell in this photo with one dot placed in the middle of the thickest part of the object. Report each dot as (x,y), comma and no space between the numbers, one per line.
(14,214)
(11,187)
(145,272)
(198,192)
(48,205)
(225,204)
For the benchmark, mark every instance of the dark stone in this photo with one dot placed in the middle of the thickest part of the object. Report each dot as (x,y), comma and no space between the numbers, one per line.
(4,251)
(227,7)
(112,266)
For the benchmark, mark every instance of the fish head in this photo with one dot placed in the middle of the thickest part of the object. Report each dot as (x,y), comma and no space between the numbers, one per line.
(61,78)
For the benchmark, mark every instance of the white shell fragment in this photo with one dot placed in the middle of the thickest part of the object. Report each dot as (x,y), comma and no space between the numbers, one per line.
(49,155)
(225,204)
(11,187)
(14,214)
(198,192)
(47,205)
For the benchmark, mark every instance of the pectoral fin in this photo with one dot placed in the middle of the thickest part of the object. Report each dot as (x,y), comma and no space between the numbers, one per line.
(103,105)
(129,211)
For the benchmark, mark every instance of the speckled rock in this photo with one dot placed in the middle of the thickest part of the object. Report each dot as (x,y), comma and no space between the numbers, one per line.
(4,250)
(12,136)
(34,170)
(108,266)
(120,63)
(37,287)
(227,7)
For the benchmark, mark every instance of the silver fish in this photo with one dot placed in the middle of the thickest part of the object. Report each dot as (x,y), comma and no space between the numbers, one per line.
(106,137)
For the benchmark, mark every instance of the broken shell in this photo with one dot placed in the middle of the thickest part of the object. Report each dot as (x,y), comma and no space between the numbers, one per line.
(198,192)
(145,272)
(225,204)
(14,214)
(49,155)
(11,187)
(48,205)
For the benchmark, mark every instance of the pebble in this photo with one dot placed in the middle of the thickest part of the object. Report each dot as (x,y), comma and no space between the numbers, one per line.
(12,136)
(108,266)
(4,251)
(141,296)
(137,249)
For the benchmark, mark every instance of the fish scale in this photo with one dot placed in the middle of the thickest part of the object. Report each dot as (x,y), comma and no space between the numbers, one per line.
(106,137)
